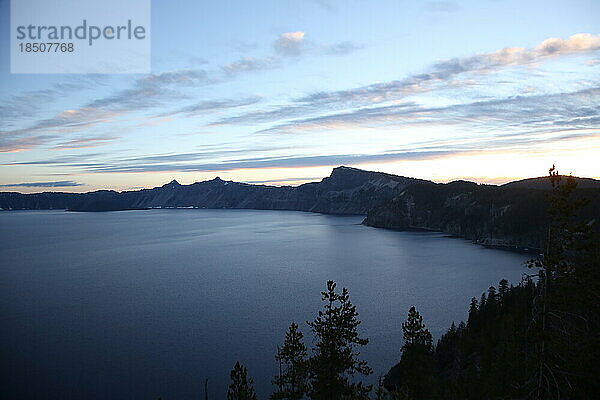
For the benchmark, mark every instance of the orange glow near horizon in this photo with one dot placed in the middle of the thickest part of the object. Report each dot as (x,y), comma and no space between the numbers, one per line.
(481,167)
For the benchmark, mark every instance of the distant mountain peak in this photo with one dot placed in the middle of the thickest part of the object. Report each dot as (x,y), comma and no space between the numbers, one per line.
(347,169)
(171,184)
(343,170)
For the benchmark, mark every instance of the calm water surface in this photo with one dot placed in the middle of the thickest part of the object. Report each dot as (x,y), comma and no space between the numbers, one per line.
(142,304)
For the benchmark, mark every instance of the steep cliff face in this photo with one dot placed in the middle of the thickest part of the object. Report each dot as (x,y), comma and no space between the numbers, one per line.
(490,215)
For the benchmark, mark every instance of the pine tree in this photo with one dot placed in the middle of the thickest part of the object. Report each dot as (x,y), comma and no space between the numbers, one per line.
(492,296)
(240,388)
(502,289)
(473,309)
(414,376)
(335,357)
(292,380)
(414,331)
(482,302)
(565,316)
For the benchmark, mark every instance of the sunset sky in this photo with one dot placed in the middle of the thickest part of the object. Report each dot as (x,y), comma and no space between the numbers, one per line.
(280,92)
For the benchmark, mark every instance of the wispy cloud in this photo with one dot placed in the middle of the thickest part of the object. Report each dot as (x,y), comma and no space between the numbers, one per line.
(17,144)
(265,162)
(370,105)
(288,44)
(62,160)
(288,181)
(580,109)
(442,75)
(26,105)
(247,64)
(341,48)
(428,150)
(150,92)
(295,44)
(443,71)
(86,142)
(210,106)
(261,116)
(44,184)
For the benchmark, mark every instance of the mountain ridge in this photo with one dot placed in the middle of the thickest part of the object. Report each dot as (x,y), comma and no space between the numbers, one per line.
(510,215)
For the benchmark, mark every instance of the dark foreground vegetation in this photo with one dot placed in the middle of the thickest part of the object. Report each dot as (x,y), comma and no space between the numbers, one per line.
(538,339)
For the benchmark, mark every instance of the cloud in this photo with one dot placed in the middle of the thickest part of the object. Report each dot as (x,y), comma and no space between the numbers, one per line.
(247,64)
(211,153)
(441,75)
(156,91)
(62,160)
(267,162)
(552,47)
(149,91)
(210,106)
(18,144)
(85,142)
(289,44)
(294,44)
(286,180)
(341,48)
(426,151)
(265,115)
(28,104)
(580,42)
(443,71)
(580,109)
(43,184)
(50,129)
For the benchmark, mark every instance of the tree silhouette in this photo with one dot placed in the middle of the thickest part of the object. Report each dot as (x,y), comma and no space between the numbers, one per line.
(565,316)
(414,376)
(414,332)
(240,388)
(293,366)
(335,359)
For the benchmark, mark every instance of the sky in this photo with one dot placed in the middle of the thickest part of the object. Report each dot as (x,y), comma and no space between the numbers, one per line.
(280,92)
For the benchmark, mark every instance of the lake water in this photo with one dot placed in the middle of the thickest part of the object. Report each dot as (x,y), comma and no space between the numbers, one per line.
(142,304)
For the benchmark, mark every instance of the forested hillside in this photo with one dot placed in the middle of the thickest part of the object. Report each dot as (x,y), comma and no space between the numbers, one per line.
(539,339)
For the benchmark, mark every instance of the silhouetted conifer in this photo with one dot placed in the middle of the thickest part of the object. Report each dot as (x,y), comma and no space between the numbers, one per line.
(336,357)
(292,381)
(414,376)
(241,387)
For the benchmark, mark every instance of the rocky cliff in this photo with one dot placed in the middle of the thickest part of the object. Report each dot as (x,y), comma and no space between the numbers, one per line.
(503,216)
